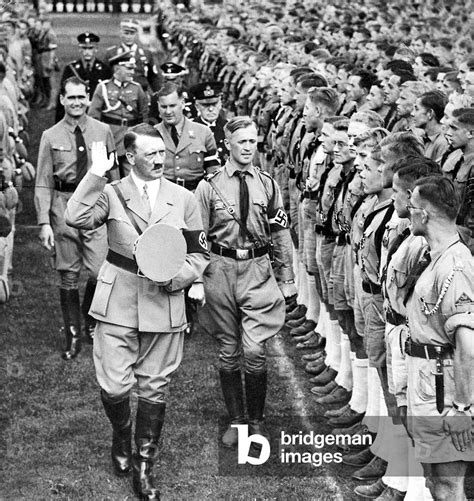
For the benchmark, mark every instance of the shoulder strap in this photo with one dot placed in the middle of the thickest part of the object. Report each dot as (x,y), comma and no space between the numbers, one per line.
(76,74)
(381,229)
(129,213)
(231,211)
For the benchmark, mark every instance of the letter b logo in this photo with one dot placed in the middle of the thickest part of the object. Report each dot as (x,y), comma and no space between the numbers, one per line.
(245,442)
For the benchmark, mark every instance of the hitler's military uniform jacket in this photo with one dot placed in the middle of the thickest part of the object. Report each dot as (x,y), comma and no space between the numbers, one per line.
(98,72)
(123,297)
(146,73)
(120,105)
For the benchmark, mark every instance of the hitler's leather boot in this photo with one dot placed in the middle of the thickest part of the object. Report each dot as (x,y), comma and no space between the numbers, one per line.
(89,321)
(150,417)
(256,392)
(372,491)
(231,384)
(71,310)
(298,312)
(118,413)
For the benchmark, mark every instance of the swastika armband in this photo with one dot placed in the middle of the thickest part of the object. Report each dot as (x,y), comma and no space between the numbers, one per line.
(196,241)
(279,221)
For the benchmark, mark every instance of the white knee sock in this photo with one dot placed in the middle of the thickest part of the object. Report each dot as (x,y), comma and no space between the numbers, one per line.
(344,377)
(313,299)
(302,284)
(358,401)
(335,359)
(397,472)
(373,401)
(321,328)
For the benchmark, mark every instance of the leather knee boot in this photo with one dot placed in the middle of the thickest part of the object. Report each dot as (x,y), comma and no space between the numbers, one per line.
(255,392)
(89,322)
(71,310)
(231,383)
(150,417)
(118,413)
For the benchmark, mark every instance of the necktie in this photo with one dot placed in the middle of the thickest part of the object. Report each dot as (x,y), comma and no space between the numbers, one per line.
(244,198)
(146,200)
(174,135)
(81,155)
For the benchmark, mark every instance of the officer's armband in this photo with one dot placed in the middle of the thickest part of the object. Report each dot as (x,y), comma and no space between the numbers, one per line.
(196,241)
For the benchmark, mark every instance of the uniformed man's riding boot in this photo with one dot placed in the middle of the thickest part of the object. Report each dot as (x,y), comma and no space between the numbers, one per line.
(118,413)
(89,322)
(150,417)
(71,309)
(231,383)
(255,392)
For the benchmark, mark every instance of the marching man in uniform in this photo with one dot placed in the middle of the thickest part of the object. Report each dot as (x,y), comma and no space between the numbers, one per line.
(247,230)
(87,67)
(120,102)
(140,322)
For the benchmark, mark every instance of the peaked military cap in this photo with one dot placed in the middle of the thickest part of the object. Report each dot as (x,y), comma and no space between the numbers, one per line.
(172,70)
(124,59)
(129,24)
(207,92)
(88,38)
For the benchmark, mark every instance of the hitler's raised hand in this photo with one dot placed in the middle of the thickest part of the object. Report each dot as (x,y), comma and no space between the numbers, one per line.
(101,161)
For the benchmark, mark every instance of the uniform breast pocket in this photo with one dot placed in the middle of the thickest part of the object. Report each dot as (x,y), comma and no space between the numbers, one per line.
(196,159)
(221,212)
(61,153)
(105,283)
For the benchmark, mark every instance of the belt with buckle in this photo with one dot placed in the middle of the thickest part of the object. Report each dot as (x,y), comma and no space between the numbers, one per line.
(123,122)
(370,287)
(239,254)
(123,262)
(65,187)
(428,351)
(190,184)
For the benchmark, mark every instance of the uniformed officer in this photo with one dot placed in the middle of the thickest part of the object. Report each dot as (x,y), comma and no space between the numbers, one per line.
(87,67)
(208,102)
(145,71)
(140,322)
(120,102)
(440,348)
(246,228)
(63,159)
(190,147)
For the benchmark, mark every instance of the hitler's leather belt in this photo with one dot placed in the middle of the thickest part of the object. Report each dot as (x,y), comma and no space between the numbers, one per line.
(123,122)
(123,262)
(428,351)
(189,185)
(370,287)
(239,254)
(62,186)
(311,195)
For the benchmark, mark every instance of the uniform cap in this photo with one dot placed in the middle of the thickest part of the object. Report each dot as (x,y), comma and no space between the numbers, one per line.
(88,38)
(129,25)
(124,59)
(207,92)
(172,70)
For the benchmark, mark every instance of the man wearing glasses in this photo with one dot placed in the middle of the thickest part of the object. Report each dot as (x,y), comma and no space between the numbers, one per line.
(440,348)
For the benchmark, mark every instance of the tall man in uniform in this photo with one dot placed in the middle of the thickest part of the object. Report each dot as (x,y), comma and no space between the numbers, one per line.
(440,348)
(121,103)
(145,71)
(245,303)
(140,322)
(190,147)
(63,160)
(87,67)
